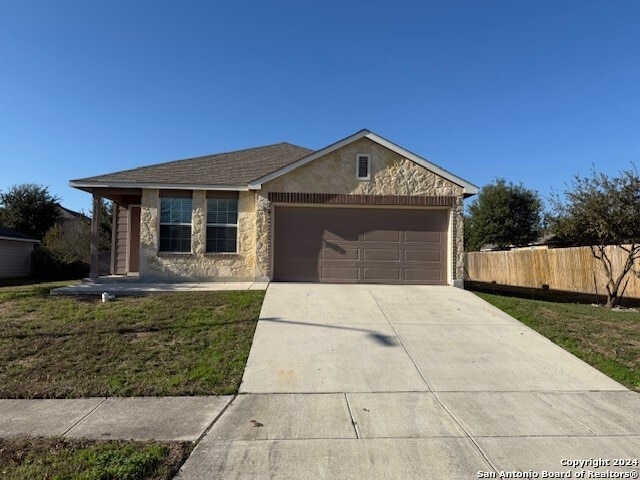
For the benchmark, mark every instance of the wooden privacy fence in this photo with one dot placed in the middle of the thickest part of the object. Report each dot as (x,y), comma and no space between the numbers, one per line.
(567,269)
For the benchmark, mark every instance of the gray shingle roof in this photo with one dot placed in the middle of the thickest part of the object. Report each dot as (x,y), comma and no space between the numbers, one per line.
(233,168)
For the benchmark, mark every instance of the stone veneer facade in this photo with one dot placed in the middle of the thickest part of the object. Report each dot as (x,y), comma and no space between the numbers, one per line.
(335,173)
(391,174)
(197,265)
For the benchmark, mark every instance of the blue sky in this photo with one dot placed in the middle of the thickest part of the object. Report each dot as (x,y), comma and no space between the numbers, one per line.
(533,91)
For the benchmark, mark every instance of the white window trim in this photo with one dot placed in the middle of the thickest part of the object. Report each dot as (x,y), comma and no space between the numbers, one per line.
(358,156)
(160,223)
(207,225)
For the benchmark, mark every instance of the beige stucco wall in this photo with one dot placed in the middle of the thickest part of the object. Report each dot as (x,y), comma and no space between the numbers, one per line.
(391,174)
(197,264)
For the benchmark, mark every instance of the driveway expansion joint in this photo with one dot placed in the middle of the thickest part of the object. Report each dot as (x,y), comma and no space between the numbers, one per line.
(353,420)
(216,418)
(471,438)
(571,417)
(85,416)
(404,347)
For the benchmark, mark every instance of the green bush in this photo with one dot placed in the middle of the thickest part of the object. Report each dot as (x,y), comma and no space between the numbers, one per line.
(46,265)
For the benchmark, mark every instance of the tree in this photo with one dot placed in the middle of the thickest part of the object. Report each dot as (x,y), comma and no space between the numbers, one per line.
(106,215)
(599,211)
(70,240)
(29,208)
(503,214)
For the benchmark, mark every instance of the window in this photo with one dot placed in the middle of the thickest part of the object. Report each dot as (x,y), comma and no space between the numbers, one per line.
(175,225)
(363,167)
(222,225)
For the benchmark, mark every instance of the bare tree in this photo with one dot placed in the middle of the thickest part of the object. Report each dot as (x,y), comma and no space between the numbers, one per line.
(599,211)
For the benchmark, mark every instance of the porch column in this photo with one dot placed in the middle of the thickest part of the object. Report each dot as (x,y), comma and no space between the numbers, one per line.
(95,237)
(114,233)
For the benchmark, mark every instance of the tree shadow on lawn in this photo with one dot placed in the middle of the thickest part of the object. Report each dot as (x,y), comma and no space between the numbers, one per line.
(546,295)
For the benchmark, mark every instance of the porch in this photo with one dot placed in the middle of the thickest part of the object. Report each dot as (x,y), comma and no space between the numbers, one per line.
(123,285)
(125,231)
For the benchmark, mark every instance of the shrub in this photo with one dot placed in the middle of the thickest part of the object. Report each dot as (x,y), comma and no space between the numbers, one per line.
(46,265)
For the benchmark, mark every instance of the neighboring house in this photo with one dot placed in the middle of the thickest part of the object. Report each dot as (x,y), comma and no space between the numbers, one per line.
(546,241)
(70,216)
(361,210)
(15,253)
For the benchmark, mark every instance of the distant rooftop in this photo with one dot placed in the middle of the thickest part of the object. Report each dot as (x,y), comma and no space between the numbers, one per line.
(14,234)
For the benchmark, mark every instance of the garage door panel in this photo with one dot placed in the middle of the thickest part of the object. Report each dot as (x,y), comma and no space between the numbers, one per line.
(422,256)
(369,245)
(298,271)
(340,234)
(382,254)
(422,275)
(337,273)
(377,274)
(381,236)
(423,237)
(299,252)
(340,254)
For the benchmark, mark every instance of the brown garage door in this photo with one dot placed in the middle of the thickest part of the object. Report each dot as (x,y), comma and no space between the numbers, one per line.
(360,245)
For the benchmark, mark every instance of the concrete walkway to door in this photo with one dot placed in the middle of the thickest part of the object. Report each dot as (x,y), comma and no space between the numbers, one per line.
(364,381)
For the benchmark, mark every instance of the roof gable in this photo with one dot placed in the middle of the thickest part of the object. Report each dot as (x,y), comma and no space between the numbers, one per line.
(468,188)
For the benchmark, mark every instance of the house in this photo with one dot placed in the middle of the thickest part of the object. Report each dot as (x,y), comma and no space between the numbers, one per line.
(15,253)
(361,210)
(68,216)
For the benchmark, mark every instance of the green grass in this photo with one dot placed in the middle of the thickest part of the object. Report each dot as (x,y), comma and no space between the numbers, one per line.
(607,340)
(194,343)
(58,458)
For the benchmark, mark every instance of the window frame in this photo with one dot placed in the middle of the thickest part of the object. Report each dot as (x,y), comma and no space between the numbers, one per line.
(172,196)
(358,157)
(224,225)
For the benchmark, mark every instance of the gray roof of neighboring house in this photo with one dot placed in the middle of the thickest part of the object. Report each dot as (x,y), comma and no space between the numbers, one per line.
(67,214)
(10,233)
(232,168)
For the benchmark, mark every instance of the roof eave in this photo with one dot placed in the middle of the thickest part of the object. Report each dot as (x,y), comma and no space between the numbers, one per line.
(16,239)
(82,185)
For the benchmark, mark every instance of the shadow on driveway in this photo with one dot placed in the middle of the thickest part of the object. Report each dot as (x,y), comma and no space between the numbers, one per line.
(382,339)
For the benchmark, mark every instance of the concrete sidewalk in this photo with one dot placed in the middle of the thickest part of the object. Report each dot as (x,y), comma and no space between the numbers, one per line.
(379,382)
(137,418)
(414,435)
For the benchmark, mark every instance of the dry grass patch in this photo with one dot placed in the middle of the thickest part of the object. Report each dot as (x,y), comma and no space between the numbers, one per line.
(28,458)
(194,343)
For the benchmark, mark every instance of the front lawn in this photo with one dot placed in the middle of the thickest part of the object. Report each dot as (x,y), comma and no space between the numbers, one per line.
(607,340)
(194,343)
(29,458)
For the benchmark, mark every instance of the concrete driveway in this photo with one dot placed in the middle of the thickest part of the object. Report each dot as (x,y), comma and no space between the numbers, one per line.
(369,381)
